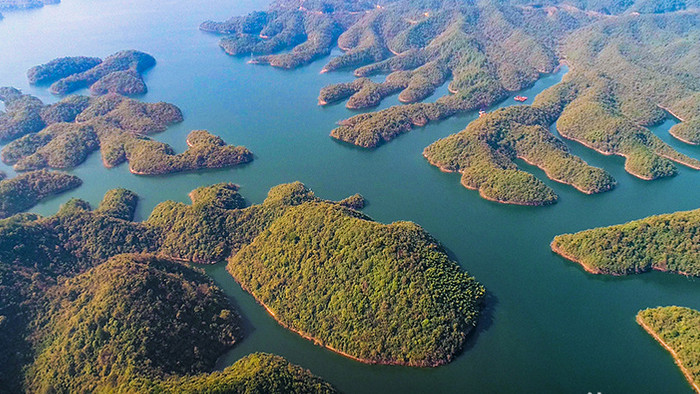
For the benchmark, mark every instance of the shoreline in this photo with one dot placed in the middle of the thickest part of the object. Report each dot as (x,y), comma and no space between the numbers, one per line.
(556,249)
(588,192)
(318,342)
(485,197)
(671,113)
(682,139)
(675,356)
(606,153)
(598,271)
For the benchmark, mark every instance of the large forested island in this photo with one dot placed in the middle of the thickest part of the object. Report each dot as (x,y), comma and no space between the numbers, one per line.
(668,242)
(389,294)
(118,73)
(62,135)
(632,64)
(677,329)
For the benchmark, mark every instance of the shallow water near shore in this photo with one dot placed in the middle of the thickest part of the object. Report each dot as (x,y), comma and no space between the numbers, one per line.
(548,326)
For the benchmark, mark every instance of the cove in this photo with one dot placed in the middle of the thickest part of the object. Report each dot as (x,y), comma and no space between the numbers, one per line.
(548,327)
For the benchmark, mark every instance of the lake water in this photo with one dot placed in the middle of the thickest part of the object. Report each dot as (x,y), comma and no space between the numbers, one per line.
(548,327)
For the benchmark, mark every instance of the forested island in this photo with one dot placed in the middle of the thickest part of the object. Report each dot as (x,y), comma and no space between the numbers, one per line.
(668,242)
(484,152)
(622,80)
(677,329)
(26,190)
(118,73)
(390,293)
(62,135)
(632,65)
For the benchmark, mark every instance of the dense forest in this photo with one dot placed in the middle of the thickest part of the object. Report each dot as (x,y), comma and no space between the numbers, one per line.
(380,293)
(631,63)
(678,330)
(26,190)
(484,152)
(118,73)
(62,135)
(391,274)
(132,316)
(668,242)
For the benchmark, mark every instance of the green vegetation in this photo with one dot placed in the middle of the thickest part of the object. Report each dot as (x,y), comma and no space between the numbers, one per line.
(148,157)
(255,373)
(629,60)
(22,114)
(61,68)
(128,83)
(411,303)
(668,242)
(118,73)
(26,190)
(356,202)
(119,203)
(389,293)
(627,69)
(132,316)
(363,92)
(678,330)
(117,126)
(485,151)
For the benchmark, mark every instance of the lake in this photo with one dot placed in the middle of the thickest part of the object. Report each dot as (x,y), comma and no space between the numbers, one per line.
(548,326)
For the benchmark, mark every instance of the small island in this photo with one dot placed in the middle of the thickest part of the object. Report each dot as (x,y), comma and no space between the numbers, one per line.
(76,126)
(118,73)
(26,190)
(663,243)
(677,329)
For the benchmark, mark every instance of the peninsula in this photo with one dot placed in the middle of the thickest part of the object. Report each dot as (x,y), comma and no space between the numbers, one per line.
(118,73)
(26,190)
(664,243)
(677,329)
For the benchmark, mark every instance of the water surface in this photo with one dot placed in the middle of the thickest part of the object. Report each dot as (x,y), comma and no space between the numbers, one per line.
(549,327)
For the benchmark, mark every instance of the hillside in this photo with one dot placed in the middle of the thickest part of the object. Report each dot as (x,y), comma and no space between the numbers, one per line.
(668,242)
(678,330)
(35,253)
(62,135)
(118,73)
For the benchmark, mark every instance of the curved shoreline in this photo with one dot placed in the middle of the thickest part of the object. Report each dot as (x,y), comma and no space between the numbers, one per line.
(589,192)
(675,356)
(606,153)
(485,197)
(318,342)
(556,249)
(598,271)
(682,139)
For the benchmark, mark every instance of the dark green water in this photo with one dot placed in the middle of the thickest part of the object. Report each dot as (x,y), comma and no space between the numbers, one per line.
(549,327)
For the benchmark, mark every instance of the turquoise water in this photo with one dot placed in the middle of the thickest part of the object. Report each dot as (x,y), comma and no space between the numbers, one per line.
(548,327)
